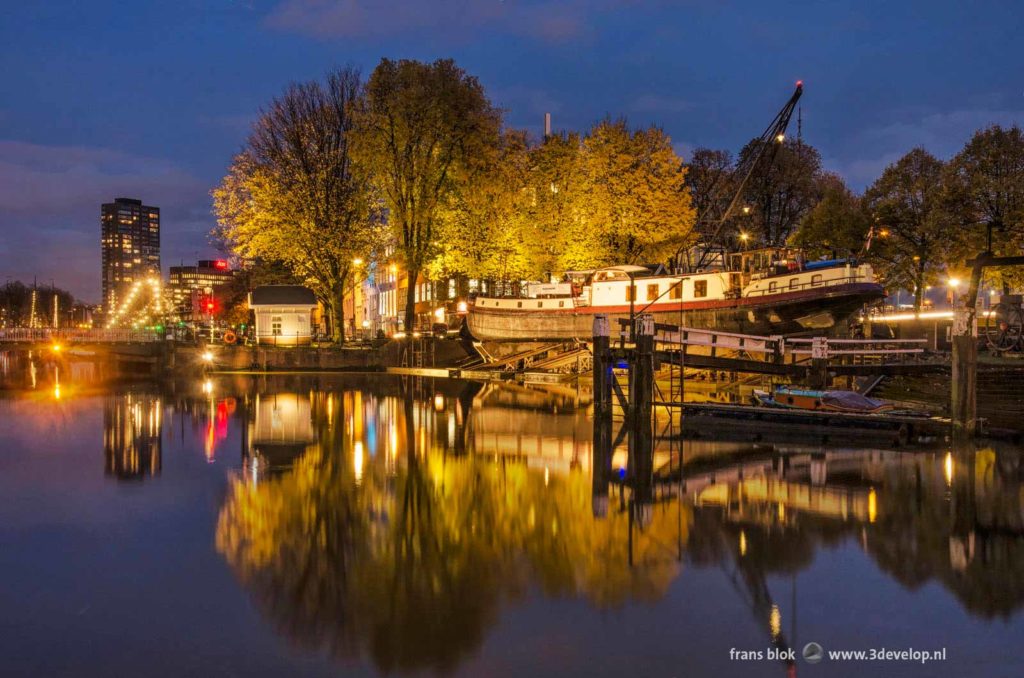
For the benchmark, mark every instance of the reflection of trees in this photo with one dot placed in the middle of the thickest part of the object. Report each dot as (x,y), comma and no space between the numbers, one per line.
(411,563)
(965,533)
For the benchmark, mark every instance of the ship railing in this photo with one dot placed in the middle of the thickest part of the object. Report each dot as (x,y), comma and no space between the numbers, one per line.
(853,351)
(831,282)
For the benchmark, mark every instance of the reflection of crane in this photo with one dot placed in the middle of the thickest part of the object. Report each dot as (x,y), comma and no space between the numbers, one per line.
(766,147)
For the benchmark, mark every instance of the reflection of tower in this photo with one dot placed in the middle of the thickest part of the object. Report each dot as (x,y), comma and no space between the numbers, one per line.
(281,430)
(132,425)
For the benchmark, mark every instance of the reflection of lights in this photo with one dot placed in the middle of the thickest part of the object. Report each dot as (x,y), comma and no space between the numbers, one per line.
(948,468)
(775,621)
(357,461)
(207,356)
(872,505)
(207,387)
(743,543)
(782,512)
(56,391)
(398,335)
(439,402)
(547,475)
(55,348)
(358,261)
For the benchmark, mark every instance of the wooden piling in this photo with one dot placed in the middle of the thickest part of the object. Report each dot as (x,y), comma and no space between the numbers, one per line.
(641,395)
(602,371)
(964,398)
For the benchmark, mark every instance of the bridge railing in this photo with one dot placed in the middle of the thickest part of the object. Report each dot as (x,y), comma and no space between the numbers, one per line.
(24,335)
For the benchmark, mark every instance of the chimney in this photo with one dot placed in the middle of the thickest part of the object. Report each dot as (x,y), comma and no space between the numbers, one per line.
(547,125)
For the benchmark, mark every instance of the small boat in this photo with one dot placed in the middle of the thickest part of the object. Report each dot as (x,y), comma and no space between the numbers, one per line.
(790,397)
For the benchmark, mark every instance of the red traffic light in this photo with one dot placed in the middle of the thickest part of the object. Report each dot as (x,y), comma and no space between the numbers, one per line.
(209,306)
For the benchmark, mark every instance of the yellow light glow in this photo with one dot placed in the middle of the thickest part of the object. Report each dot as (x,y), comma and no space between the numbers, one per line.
(439,402)
(775,621)
(872,506)
(56,391)
(208,387)
(439,314)
(948,468)
(358,261)
(463,307)
(357,461)
(207,356)
(55,348)
(744,237)
(954,282)
(780,138)
(743,543)
(398,335)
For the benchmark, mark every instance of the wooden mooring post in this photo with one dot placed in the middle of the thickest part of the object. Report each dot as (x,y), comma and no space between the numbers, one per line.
(602,370)
(963,404)
(641,423)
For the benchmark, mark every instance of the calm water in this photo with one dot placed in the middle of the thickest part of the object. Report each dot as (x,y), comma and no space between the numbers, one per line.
(366,525)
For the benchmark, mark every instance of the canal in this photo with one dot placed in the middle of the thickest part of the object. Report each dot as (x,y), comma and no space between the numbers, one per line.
(367,525)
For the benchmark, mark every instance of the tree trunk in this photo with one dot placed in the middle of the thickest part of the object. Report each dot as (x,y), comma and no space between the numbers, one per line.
(918,290)
(337,308)
(410,301)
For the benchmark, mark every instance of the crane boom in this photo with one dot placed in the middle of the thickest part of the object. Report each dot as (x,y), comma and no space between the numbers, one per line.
(767,145)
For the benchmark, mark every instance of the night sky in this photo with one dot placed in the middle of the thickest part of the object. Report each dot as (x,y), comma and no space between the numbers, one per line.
(151,99)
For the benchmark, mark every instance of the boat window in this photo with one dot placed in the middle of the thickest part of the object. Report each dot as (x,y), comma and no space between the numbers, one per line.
(794,283)
(676,291)
(519,304)
(816,279)
(540,304)
(561,304)
(772,286)
(652,292)
(631,293)
(700,288)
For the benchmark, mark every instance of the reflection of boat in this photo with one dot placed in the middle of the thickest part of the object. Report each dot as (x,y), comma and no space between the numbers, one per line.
(789,397)
(768,291)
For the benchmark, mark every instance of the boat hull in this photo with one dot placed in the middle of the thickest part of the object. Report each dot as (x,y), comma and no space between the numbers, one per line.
(785,313)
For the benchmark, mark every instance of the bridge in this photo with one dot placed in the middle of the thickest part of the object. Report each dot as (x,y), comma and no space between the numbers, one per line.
(69,336)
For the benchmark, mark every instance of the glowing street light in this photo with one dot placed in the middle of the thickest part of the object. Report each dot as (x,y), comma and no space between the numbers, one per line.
(207,357)
(954,283)
(358,261)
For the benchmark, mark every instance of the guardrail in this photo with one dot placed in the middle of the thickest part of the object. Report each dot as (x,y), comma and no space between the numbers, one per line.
(780,350)
(24,335)
(832,282)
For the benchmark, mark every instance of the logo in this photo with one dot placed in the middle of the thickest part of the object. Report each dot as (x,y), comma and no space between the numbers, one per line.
(813,653)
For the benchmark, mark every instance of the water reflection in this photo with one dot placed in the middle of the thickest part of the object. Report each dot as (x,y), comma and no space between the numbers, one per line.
(398,526)
(132,440)
(382,539)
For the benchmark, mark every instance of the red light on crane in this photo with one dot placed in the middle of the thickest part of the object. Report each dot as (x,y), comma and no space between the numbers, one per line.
(799,83)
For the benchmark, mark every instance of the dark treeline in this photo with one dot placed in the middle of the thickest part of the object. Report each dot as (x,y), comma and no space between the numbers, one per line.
(16,303)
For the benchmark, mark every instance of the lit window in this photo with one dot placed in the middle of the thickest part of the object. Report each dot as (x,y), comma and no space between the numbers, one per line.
(700,288)
(652,292)
(676,291)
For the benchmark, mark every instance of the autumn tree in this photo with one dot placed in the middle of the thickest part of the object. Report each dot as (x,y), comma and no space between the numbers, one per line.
(637,210)
(912,231)
(556,198)
(486,234)
(782,192)
(984,195)
(424,132)
(837,225)
(292,194)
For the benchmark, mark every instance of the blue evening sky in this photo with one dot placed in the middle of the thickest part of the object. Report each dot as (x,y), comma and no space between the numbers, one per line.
(151,99)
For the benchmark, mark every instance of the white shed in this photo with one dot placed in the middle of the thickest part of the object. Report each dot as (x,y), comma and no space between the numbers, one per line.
(283,314)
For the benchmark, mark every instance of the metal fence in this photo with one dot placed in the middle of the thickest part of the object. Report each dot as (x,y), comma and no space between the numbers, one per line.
(26,335)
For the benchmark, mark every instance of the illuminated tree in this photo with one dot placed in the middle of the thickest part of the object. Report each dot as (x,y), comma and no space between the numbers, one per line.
(425,132)
(292,194)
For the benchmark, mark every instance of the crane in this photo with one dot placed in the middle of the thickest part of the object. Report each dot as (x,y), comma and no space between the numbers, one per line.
(766,147)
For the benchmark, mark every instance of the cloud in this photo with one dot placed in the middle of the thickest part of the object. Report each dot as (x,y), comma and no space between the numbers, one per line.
(546,21)
(50,200)
(941,134)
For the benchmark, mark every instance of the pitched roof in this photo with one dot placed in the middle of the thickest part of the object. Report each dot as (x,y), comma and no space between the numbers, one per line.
(282,295)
